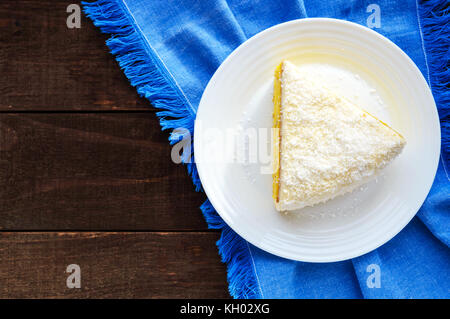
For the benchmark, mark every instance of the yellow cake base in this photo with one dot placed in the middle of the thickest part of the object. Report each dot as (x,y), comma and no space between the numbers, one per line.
(277,131)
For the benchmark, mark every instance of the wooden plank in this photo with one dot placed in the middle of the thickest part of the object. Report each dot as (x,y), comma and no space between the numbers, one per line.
(113,265)
(44,65)
(100,171)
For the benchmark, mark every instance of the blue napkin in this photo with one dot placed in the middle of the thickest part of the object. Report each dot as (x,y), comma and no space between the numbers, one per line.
(170,49)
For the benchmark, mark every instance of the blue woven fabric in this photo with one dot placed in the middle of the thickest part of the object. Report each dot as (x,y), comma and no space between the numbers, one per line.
(170,49)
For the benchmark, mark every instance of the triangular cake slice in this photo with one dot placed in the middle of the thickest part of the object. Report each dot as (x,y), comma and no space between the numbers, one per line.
(326,146)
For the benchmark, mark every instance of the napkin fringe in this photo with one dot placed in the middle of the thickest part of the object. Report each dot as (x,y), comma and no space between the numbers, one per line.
(152,82)
(146,73)
(435,18)
(234,251)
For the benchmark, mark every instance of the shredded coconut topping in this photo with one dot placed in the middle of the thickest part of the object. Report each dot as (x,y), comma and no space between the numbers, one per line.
(328,145)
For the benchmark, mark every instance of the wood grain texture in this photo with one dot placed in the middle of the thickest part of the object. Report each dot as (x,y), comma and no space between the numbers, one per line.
(113,265)
(103,171)
(81,172)
(47,66)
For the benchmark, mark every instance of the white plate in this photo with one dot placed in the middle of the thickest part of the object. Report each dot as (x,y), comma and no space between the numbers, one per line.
(240,95)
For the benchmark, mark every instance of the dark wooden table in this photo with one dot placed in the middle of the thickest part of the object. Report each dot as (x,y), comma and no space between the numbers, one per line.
(86,176)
